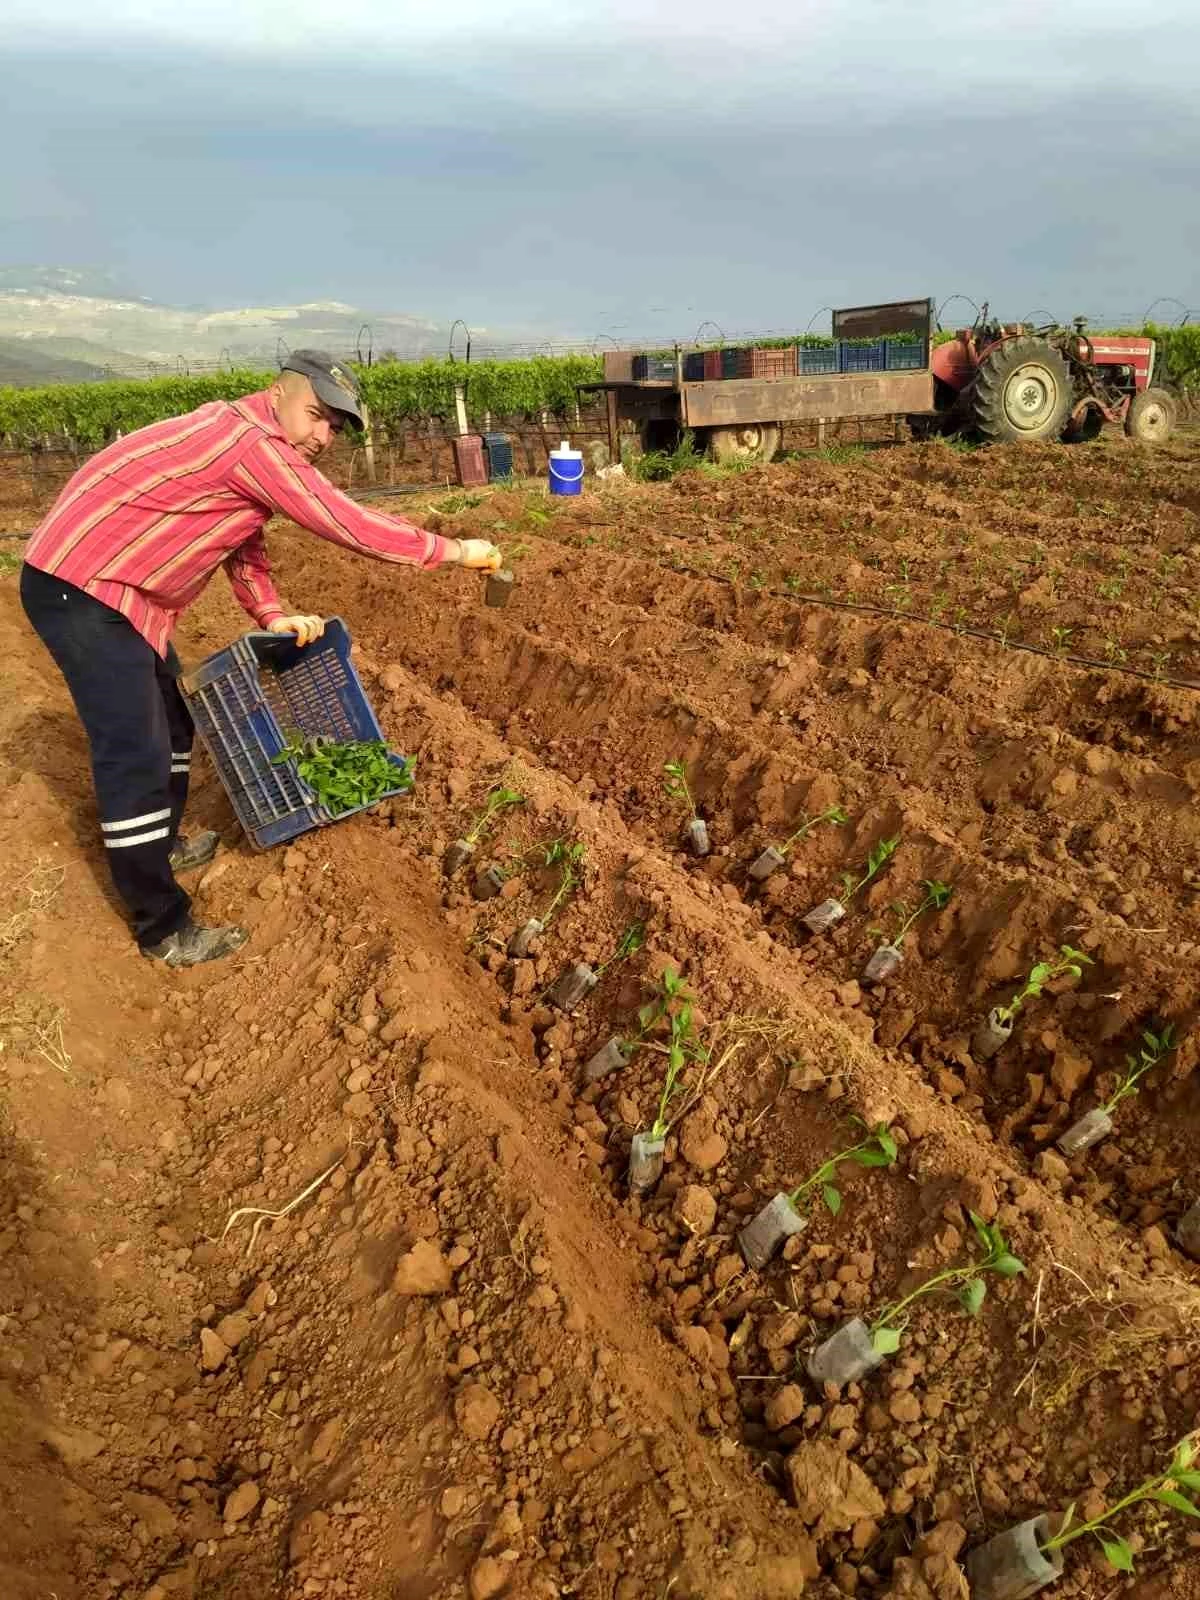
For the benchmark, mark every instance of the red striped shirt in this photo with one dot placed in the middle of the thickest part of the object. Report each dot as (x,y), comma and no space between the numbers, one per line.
(145,523)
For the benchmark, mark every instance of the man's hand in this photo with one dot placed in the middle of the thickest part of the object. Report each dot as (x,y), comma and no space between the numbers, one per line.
(479,556)
(306,629)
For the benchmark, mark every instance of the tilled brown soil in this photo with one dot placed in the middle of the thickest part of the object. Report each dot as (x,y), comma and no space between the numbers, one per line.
(467,1361)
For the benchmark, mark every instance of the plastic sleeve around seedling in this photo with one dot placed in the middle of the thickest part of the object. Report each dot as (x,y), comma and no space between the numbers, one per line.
(697,836)
(768,862)
(821,918)
(645,1162)
(846,1356)
(883,963)
(766,1233)
(1187,1235)
(521,940)
(489,884)
(498,588)
(573,985)
(1089,1130)
(457,856)
(1013,1565)
(609,1058)
(991,1036)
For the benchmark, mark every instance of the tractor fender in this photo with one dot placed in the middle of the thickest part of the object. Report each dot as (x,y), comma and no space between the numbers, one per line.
(952,364)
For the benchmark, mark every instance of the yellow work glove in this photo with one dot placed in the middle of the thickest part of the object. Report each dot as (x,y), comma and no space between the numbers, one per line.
(479,556)
(306,629)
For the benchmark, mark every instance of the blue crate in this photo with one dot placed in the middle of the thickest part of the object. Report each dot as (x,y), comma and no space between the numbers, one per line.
(817,358)
(249,700)
(693,367)
(861,357)
(498,453)
(904,355)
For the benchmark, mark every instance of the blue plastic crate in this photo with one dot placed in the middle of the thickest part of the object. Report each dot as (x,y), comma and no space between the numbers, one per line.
(498,453)
(861,357)
(817,358)
(902,355)
(649,368)
(250,700)
(693,367)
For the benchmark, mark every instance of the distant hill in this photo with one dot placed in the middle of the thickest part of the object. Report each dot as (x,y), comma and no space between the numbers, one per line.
(53,319)
(25,366)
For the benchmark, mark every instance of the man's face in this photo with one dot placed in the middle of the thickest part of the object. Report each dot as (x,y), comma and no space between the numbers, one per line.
(307,423)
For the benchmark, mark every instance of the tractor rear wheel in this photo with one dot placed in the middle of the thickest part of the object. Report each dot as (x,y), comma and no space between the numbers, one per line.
(753,441)
(1151,416)
(1022,392)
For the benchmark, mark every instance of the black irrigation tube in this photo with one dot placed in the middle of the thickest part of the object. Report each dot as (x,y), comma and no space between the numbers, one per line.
(945,627)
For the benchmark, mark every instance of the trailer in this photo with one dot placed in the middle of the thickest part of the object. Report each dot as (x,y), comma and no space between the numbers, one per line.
(742,418)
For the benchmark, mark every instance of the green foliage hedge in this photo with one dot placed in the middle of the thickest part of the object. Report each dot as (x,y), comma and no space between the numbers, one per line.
(398,394)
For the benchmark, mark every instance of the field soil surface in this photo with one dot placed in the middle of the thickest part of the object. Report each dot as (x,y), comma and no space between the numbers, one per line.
(319,1270)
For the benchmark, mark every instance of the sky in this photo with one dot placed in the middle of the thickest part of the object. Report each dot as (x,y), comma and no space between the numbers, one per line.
(611,171)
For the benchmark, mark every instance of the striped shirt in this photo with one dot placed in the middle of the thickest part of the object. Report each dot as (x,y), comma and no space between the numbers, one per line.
(146,522)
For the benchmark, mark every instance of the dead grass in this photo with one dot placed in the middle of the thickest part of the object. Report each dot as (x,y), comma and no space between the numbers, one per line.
(34,1027)
(31,894)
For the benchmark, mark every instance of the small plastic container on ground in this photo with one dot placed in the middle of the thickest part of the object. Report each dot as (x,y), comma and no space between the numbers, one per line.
(498,589)
(991,1035)
(645,1161)
(883,963)
(249,702)
(1089,1130)
(610,1057)
(565,470)
(574,985)
(764,1234)
(1013,1565)
(1187,1234)
(489,884)
(696,835)
(457,855)
(845,1356)
(770,861)
(821,918)
(518,945)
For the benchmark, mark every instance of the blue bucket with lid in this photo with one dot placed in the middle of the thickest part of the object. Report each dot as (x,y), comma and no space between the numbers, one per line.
(566,470)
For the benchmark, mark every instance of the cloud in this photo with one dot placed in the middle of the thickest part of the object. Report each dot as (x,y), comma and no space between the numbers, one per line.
(620,173)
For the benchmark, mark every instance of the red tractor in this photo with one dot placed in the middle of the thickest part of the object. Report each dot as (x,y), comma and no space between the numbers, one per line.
(1008,381)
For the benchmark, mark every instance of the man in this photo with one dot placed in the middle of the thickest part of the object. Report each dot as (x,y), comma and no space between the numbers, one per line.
(130,542)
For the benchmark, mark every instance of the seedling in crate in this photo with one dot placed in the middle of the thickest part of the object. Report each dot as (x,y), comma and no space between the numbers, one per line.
(997,1029)
(578,981)
(499,799)
(569,857)
(774,856)
(857,1348)
(347,774)
(1093,1127)
(1023,1560)
(821,918)
(887,958)
(787,1214)
(696,832)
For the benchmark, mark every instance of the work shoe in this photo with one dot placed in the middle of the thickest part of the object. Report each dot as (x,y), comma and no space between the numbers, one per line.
(192,944)
(197,851)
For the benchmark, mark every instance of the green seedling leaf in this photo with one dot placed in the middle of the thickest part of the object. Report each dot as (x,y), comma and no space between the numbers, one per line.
(885,1341)
(886,1143)
(972,1296)
(1188,1480)
(1185,1452)
(1008,1266)
(1117,1553)
(986,1236)
(1177,1501)
(871,1158)
(832,1198)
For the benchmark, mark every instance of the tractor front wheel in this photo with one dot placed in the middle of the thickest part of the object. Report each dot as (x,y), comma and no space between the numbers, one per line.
(1151,416)
(753,441)
(1022,392)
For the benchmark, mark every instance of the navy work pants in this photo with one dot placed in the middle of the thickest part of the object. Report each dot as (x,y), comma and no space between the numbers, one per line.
(140,732)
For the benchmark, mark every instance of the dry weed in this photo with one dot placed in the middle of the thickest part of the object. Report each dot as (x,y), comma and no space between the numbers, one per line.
(33,891)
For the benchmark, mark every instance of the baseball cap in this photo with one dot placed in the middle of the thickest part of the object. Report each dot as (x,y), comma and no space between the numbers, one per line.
(333,381)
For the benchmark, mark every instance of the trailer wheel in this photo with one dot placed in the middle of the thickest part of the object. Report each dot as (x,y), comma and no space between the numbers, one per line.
(1151,416)
(1086,429)
(753,441)
(1022,392)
